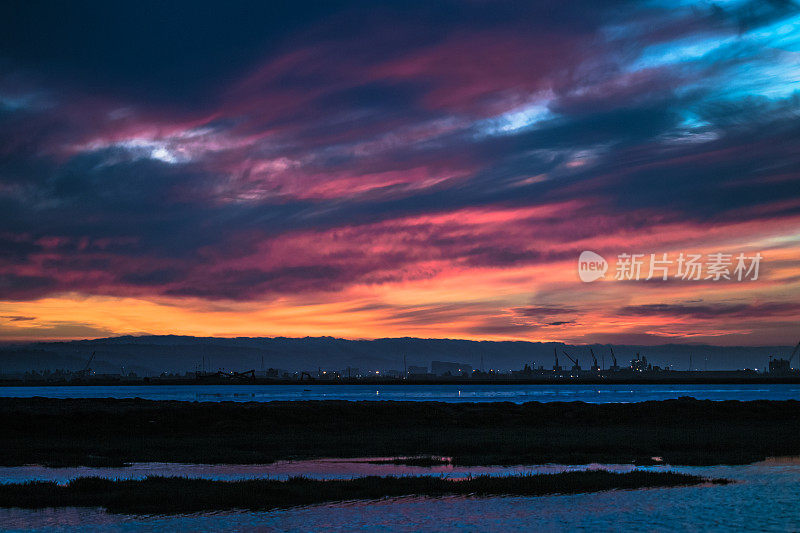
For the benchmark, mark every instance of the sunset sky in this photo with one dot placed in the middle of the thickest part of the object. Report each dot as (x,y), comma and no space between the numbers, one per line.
(375,169)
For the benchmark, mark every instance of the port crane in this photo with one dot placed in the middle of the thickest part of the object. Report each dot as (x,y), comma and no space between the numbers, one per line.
(575,366)
(615,366)
(85,371)
(237,376)
(783,366)
(594,368)
(794,352)
(556,366)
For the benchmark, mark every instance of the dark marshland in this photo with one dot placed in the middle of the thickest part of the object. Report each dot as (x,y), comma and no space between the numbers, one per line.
(181,495)
(685,431)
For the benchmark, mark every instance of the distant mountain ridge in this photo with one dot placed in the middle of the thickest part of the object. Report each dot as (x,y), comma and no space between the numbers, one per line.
(154,354)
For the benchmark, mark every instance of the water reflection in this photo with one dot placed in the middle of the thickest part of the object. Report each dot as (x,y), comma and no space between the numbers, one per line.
(765,499)
(443,393)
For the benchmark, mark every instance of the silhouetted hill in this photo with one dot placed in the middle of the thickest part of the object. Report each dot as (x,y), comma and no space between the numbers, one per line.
(170,353)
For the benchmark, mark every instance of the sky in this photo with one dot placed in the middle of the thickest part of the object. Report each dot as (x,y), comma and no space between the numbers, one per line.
(377,169)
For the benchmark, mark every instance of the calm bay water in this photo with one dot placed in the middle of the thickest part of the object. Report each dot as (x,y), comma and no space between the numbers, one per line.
(764,498)
(442,393)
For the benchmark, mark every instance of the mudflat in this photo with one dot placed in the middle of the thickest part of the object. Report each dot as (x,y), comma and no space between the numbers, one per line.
(95,432)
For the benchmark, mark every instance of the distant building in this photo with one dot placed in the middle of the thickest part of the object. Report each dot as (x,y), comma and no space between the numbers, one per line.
(351,372)
(640,364)
(275,373)
(443,368)
(779,366)
(417,370)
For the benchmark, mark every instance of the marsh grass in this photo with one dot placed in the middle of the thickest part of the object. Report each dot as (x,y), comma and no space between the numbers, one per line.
(172,495)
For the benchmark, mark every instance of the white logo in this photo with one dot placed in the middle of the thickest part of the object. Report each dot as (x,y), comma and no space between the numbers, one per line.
(591,266)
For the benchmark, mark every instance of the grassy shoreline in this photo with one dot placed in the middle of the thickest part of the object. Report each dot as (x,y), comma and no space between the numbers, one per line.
(107,432)
(160,495)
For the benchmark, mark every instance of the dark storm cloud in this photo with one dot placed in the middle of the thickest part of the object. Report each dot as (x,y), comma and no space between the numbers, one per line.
(176,50)
(168,148)
(152,49)
(713,312)
(19,287)
(18,318)
(536,311)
